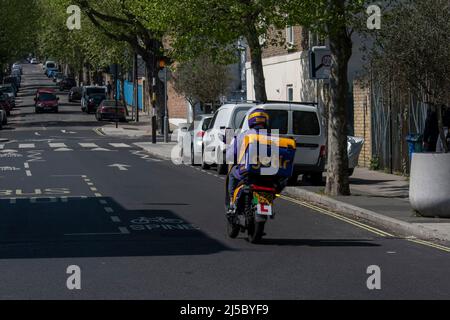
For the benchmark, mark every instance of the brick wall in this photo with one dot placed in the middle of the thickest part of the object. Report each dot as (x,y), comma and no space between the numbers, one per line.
(176,104)
(362,119)
(272,50)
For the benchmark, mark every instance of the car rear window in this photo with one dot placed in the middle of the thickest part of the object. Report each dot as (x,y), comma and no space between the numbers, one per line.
(279,120)
(95,91)
(51,65)
(47,97)
(306,123)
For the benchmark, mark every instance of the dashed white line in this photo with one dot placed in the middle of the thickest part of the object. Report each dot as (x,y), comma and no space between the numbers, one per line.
(116,219)
(103,202)
(109,210)
(120,145)
(27,146)
(28,172)
(89,145)
(124,230)
(26,165)
(57,145)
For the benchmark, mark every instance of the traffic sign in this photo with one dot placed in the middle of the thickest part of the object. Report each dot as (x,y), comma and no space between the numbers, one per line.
(320,63)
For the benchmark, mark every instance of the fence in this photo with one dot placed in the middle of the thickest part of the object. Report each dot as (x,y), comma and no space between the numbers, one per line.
(129,93)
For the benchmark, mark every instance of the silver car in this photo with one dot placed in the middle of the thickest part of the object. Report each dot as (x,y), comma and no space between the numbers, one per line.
(192,140)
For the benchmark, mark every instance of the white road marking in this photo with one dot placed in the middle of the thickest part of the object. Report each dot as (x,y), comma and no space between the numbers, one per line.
(94,189)
(88,145)
(63,150)
(120,145)
(124,230)
(103,202)
(57,145)
(28,172)
(98,195)
(101,149)
(2,146)
(116,219)
(109,210)
(27,146)
(26,165)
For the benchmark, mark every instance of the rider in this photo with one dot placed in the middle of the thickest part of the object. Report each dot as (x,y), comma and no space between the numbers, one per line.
(257,120)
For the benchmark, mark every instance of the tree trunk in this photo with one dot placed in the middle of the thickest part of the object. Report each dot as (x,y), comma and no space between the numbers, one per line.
(337,175)
(255,49)
(441,128)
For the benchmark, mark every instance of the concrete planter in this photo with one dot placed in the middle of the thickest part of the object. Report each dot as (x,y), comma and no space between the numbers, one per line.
(429,191)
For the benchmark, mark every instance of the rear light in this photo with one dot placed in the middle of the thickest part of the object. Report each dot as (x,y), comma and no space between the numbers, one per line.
(323,151)
(200,134)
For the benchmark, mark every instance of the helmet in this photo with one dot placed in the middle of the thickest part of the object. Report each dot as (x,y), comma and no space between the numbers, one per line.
(258,119)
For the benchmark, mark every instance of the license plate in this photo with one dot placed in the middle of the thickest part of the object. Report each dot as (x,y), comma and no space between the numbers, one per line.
(264,209)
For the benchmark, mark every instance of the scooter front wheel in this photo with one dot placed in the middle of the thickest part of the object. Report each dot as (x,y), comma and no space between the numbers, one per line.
(233,229)
(256,232)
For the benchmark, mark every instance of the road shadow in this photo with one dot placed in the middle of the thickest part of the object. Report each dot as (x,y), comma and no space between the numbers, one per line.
(82,228)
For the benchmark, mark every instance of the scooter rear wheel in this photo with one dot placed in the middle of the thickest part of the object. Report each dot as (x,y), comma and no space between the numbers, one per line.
(256,232)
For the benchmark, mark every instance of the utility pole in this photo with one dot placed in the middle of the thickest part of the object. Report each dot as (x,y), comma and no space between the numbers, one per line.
(116,91)
(166,111)
(136,85)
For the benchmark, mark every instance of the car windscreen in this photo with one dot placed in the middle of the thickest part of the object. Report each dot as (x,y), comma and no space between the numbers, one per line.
(47,97)
(305,123)
(278,120)
(51,65)
(112,104)
(95,91)
(239,116)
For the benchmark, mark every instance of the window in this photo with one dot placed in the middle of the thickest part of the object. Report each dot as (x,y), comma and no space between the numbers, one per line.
(206,124)
(290,92)
(239,117)
(306,123)
(290,35)
(279,120)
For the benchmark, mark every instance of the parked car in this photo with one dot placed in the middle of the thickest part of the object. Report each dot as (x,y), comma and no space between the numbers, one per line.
(14,82)
(57,77)
(191,141)
(108,110)
(51,72)
(74,94)
(48,64)
(8,90)
(46,100)
(3,118)
(228,118)
(91,97)
(5,103)
(34,61)
(301,122)
(67,83)
(17,66)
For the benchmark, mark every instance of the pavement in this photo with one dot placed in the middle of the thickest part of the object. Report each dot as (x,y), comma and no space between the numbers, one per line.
(142,227)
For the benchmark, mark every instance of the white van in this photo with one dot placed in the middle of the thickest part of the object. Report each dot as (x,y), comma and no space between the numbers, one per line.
(301,122)
(228,117)
(48,64)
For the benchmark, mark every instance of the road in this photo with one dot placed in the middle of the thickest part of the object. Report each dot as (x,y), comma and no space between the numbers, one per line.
(144,228)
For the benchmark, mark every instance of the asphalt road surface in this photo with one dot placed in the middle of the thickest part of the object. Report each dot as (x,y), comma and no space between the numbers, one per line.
(143,228)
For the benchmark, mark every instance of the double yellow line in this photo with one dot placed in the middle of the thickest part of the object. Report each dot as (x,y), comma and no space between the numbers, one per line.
(362,225)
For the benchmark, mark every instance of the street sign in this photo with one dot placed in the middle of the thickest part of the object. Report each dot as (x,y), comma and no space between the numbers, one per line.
(320,63)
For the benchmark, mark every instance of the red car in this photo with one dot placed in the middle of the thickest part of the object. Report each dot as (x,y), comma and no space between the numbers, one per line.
(5,103)
(46,100)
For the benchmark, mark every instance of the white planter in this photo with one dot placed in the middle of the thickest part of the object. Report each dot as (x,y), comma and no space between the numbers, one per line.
(429,191)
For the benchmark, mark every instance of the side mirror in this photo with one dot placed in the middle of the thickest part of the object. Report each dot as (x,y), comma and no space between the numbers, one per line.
(184,130)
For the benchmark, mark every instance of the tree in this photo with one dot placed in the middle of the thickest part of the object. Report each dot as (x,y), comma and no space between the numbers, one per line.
(213,27)
(17,38)
(119,22)
(412,52)
(202,81)
(336,20)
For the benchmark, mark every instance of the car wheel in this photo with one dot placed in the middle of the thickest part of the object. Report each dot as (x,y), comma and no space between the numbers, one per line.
(293,180)
(222,168)
(8,113)
(317,178)
(192,156)
(5,121)
(205,166)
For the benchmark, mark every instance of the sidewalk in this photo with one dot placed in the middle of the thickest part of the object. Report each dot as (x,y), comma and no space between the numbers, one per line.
(380,199)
